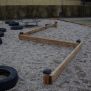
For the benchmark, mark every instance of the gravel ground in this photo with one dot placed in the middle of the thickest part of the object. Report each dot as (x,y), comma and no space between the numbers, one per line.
(30,58)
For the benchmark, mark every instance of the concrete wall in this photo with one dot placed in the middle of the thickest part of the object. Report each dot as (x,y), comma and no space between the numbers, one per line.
(39,2)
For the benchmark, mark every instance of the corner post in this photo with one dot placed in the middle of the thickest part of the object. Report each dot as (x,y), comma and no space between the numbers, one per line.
(47,79)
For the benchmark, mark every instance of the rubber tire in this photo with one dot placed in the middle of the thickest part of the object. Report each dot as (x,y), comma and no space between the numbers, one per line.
(8,21)
(16,27)
(78,41)
(29,26)
(3,29)
(11,80)
(20,33)
(1,34)
(13,23)
(0,41)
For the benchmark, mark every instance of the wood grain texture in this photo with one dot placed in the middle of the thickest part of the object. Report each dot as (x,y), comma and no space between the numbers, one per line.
(48,41)
(65,62)
(42,28)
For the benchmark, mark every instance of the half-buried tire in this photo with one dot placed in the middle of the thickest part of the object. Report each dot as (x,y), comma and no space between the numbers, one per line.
(0,41)
(16,27)
(11,78)
(29,25)
(1,34)
(13,23)
(3,29)
(8,21)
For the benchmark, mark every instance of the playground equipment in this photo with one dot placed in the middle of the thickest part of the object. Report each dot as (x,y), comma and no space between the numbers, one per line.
(50,76)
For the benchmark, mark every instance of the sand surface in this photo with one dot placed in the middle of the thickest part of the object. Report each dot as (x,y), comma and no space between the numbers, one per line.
(30,58)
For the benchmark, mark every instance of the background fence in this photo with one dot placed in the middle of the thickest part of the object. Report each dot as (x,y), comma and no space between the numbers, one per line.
(53,11)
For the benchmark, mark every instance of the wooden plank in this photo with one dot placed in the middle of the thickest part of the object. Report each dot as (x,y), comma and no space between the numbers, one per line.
(42,28)
(62,66)
(35,30)
(48,41)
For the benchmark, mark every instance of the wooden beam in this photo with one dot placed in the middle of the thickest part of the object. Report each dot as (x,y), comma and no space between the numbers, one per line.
(49,78)
(47,41)
(42,28)
(35,30)
(64,64)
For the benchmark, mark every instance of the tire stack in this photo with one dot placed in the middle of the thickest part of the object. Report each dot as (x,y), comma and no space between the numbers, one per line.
(2,30)
(14,25)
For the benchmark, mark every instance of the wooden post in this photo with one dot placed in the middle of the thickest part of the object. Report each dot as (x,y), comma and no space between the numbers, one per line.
(55,24)
(47,79)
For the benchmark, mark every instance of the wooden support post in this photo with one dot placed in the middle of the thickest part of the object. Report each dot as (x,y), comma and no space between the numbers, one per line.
(47,79)
(55,25)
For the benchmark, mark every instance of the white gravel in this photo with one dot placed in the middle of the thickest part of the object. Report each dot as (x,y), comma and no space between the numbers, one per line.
(30,58)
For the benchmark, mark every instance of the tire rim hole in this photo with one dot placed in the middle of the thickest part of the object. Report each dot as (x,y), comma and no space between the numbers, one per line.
(4,74)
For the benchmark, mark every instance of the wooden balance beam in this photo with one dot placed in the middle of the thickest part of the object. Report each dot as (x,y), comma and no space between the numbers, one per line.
(47,41)
(50,76)
(42,28)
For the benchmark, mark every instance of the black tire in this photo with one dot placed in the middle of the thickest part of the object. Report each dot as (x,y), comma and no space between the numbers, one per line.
(29,25)
(0,41)
(3,29)
(78,41)
(8,21)
(1,34)
(13,23)
(16,27)
(11,79)
(20,33)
